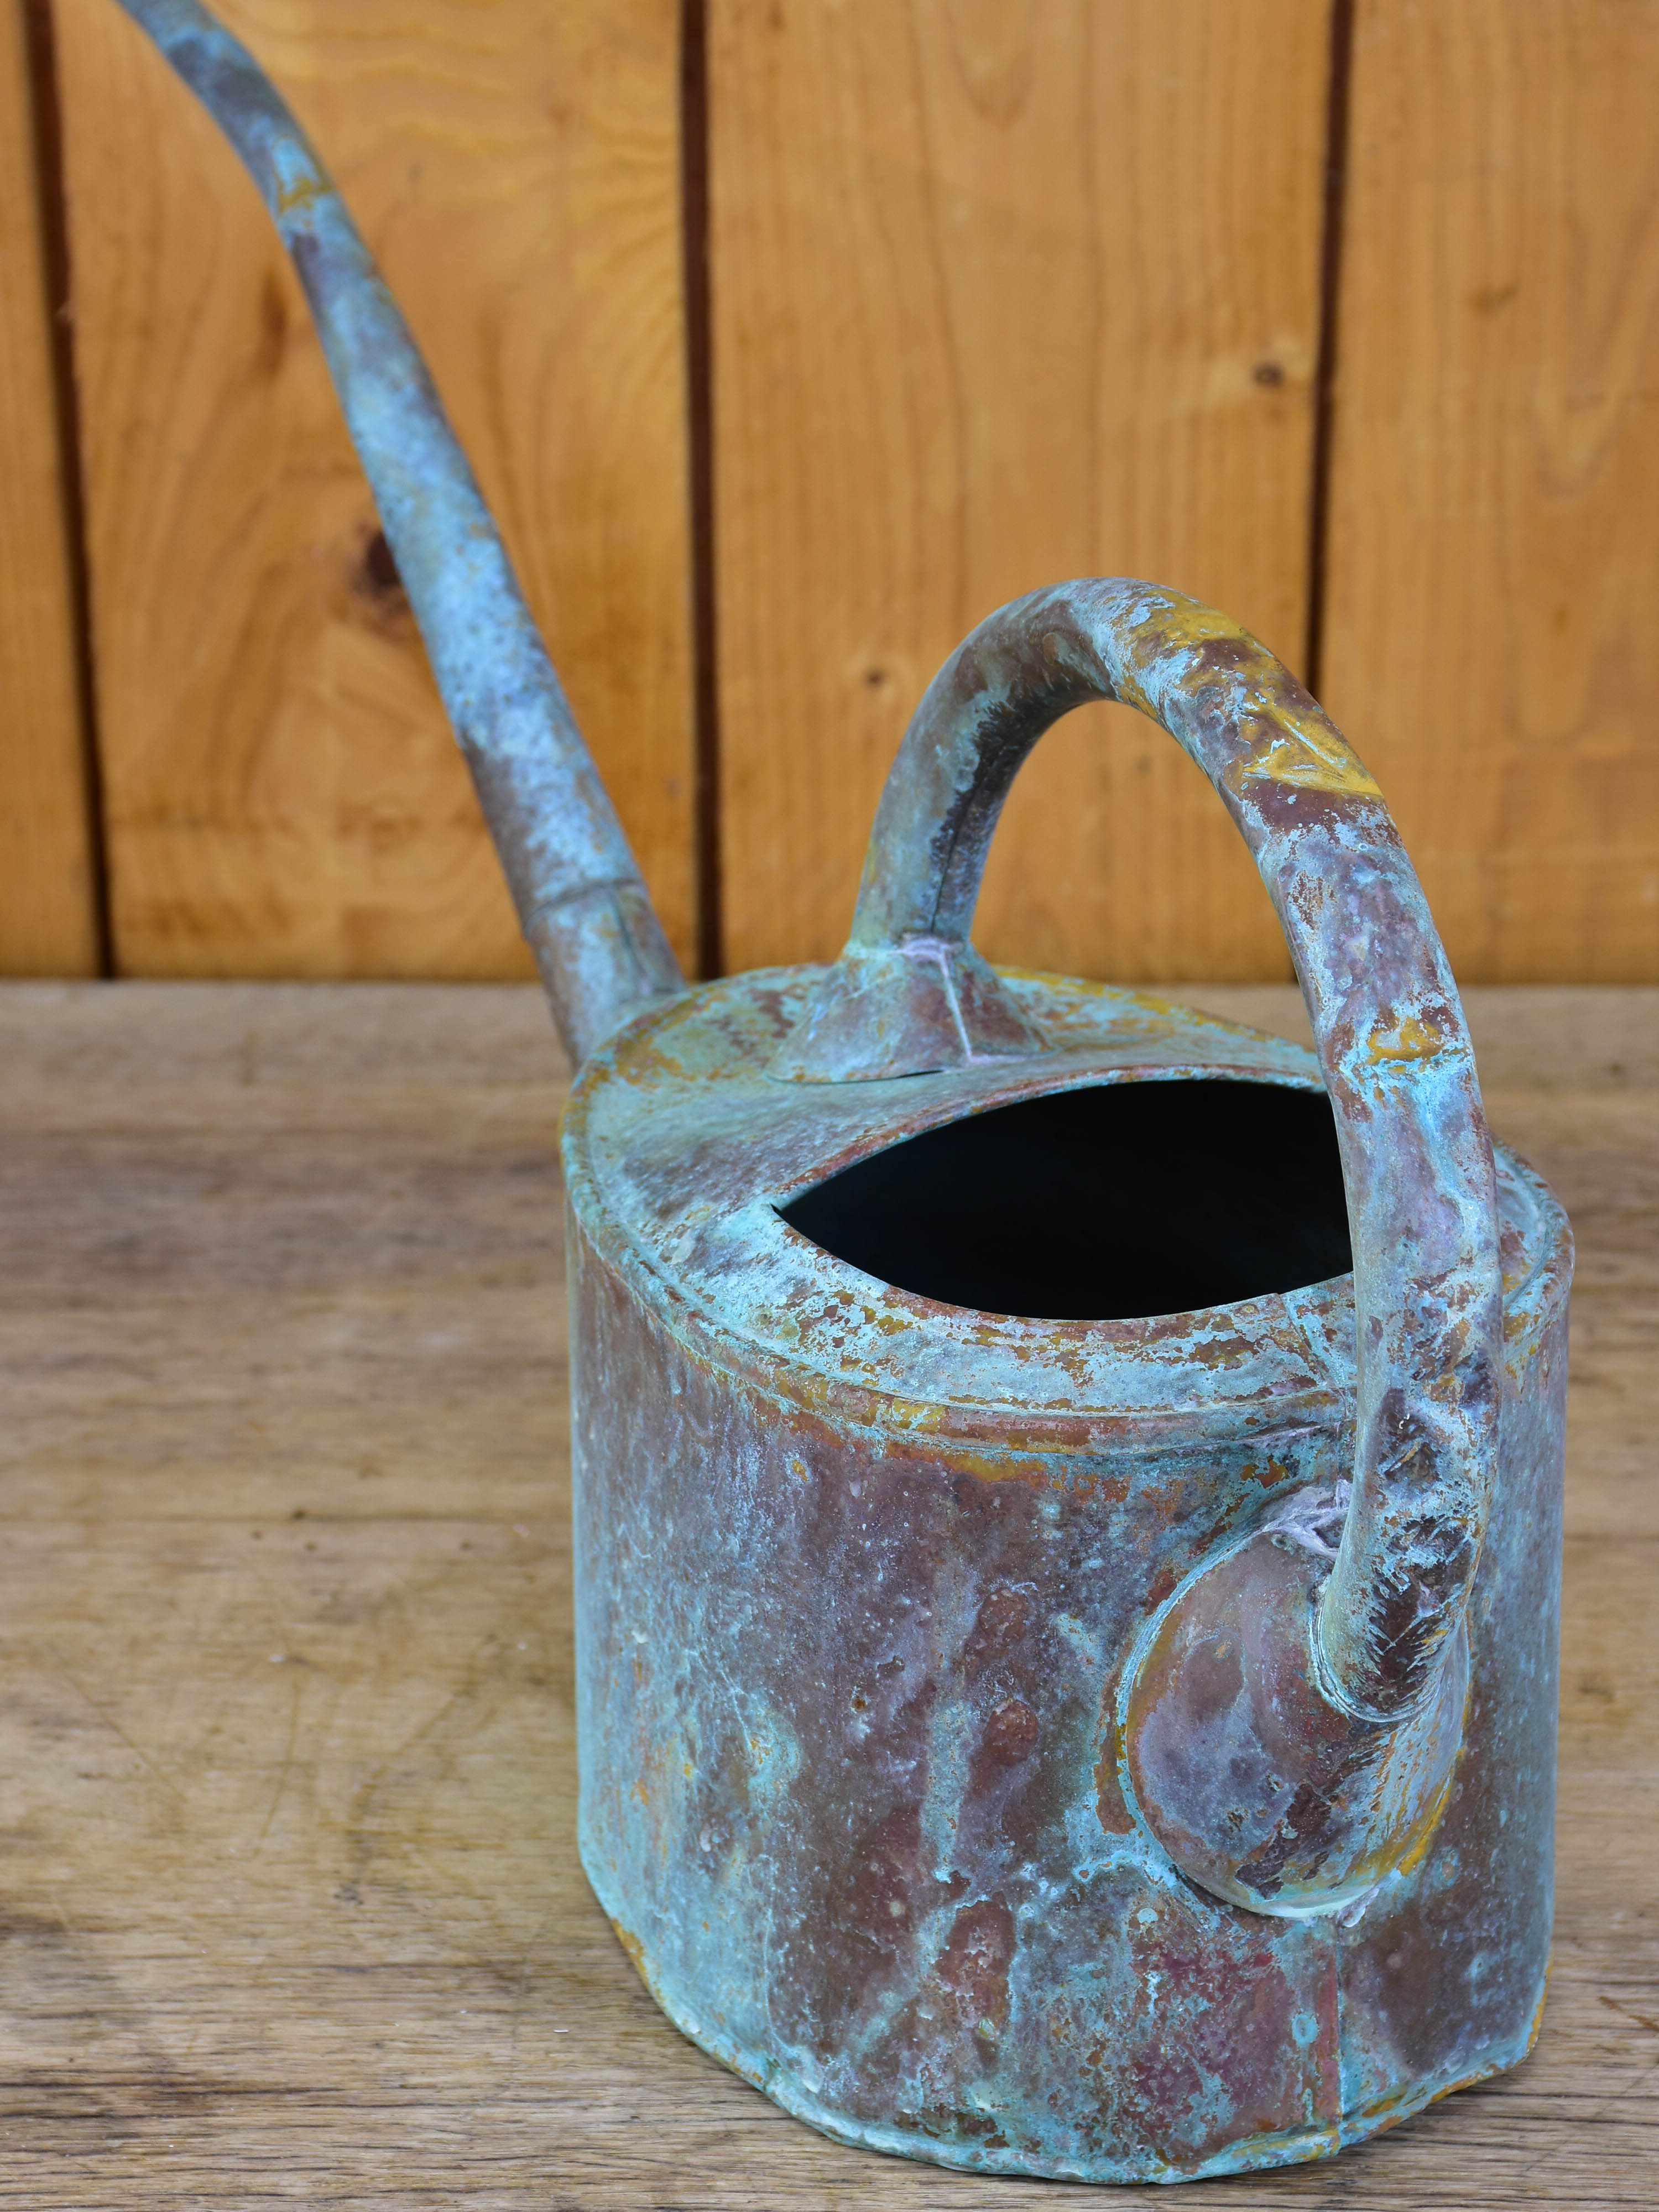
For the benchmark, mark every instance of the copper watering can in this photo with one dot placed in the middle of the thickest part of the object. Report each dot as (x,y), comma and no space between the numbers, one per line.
(1067,1671)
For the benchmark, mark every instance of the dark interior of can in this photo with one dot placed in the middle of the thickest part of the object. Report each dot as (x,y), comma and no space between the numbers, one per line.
(1124,1200)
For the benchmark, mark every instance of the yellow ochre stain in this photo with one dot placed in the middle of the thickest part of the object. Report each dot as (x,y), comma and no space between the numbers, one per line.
(1303,751)
(1179,625)
(302,192)
(1311,756)
(1408,1040)
(1419,1850)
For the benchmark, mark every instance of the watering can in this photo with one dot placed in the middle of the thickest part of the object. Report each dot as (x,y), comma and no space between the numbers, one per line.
(1067,1490)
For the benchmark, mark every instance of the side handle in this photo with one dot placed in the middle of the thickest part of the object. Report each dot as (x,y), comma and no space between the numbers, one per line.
(582,901)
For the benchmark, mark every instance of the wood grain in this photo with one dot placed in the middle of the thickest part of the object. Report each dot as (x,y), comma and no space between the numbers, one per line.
(47,922)
(288,1893)
(1003,293)
(1490,648)
(284,797)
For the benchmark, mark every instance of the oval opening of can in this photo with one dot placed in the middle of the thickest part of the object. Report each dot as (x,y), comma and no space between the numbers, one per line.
(1119,1201)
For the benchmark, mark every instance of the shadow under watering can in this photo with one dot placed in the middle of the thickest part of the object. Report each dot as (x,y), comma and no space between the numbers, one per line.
(1066,1670)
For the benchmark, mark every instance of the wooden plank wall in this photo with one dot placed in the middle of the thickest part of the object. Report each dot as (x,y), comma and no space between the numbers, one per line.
(283,794)
(1491,642)
(1003,293)
(995,291)
(48,910)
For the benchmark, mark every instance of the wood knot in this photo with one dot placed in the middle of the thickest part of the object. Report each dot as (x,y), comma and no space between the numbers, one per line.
(376,584)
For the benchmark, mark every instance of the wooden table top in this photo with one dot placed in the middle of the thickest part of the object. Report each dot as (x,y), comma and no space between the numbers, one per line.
(288,1892)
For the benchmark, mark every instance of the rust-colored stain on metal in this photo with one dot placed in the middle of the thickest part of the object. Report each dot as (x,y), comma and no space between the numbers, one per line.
(1067,1490)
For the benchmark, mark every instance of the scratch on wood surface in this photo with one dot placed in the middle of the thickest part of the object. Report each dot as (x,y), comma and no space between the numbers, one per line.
(1628,2013)
(287,1766)
(116,1730)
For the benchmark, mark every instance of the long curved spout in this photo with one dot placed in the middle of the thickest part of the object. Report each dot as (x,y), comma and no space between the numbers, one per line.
(581,900)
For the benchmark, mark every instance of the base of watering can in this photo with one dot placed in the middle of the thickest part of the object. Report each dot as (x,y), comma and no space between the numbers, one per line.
(929,2141)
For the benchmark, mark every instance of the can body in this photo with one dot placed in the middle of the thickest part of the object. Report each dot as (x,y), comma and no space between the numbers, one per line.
(847,1679)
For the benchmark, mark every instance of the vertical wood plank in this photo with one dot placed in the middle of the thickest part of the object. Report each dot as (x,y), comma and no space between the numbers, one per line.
(1491,642)
(1004,291)
(47,917)
(284,797)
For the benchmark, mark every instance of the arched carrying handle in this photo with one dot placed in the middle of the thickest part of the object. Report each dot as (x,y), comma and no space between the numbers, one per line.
(909,995)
